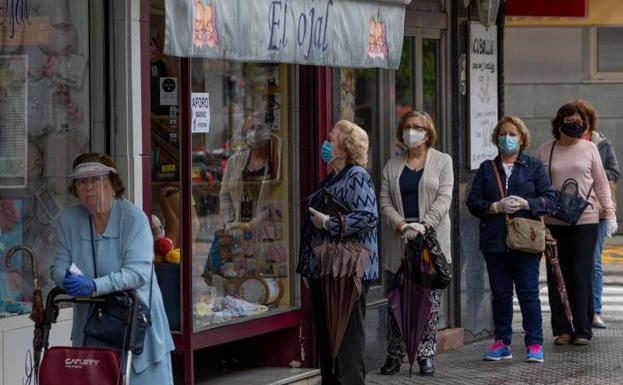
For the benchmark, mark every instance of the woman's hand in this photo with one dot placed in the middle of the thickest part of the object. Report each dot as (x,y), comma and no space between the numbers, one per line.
(410,231)
(78,285)
(523,204)
(320,220)
(611,227)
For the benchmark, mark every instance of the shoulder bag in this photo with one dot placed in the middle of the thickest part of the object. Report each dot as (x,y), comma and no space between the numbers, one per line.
(523,234)
(109,320)
(569,206)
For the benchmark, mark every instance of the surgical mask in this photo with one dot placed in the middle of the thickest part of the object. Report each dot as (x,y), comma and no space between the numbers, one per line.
(573,130)
(326,152)
(258,138)
(413,138)
(508,145)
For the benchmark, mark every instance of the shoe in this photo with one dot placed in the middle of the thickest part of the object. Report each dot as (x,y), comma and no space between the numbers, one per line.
(499,351)
(581,341)
(426,366)
(535,353)
(563,339)
(598,323)
(391,366)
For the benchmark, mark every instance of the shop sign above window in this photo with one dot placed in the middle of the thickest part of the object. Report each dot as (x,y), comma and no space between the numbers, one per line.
(549,8)
(337,33)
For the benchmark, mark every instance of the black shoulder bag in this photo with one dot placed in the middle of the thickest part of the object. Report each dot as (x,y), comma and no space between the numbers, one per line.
(109,320)
(569,206)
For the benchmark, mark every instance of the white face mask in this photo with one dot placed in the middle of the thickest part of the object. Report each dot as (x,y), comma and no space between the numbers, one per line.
(414,138)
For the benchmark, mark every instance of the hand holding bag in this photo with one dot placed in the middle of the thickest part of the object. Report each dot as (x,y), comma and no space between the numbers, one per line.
(109,320)
(569,205)
(327,203)
(523,234)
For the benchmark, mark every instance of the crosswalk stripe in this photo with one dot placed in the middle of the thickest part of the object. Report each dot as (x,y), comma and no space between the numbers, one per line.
(612,299)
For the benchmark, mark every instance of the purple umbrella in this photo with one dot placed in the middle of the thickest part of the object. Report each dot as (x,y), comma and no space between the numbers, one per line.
(411,304)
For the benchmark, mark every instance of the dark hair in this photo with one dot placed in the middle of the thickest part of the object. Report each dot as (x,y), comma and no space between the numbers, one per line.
(564,111)
(430,126)
(591,113)
(115,179)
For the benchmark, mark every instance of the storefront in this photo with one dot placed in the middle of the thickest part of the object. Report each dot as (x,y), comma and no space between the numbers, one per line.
(57,100)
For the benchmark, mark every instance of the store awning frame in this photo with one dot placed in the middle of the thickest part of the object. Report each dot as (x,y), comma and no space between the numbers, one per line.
(337,33)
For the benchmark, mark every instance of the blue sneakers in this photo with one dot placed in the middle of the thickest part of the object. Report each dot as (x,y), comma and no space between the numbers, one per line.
(499,351)
(535,353)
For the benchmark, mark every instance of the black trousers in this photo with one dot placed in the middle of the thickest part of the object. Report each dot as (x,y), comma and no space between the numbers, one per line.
(576,245)
(349,366)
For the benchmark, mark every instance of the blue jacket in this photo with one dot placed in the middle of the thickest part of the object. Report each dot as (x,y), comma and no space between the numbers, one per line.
(354,187)
(124,261)
(528,180)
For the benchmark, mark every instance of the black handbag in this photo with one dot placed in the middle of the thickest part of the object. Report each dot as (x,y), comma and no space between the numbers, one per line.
(327,203)
(443,275)
(569,206)
(109,320)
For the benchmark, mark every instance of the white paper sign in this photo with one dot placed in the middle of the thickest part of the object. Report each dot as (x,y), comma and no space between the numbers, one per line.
(168,91)
(200,106)
(483,92)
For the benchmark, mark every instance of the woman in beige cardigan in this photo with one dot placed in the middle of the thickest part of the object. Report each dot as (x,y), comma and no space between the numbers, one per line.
(416,192)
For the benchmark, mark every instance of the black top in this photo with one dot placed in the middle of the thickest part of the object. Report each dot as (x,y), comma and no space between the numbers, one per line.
(409,182)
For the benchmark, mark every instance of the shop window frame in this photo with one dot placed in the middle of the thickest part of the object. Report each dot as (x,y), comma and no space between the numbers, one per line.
(593,53)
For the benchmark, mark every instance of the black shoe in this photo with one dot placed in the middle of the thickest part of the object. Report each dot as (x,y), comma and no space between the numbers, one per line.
(426,366)
(392,366)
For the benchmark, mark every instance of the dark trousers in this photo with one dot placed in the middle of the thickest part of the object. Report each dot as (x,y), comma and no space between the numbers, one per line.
(523,270)
(576,245)
(349,365)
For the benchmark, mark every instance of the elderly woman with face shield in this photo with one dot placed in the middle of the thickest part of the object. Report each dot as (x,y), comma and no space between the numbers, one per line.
(105,246)
(416,192)
(527,193)
(258,163)
(346,153)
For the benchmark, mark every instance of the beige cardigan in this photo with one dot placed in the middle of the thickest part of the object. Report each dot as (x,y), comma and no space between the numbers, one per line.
(434,198)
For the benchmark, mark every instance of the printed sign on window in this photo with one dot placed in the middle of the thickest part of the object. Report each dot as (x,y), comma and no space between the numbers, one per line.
(200,105)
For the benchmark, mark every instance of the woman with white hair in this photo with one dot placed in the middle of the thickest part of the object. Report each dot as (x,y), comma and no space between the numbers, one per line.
(346,152)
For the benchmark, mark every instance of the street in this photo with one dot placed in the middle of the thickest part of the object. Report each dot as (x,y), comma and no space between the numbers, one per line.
(599,363)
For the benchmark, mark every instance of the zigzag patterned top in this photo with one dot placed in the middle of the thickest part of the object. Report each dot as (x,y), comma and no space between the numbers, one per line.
(354,187)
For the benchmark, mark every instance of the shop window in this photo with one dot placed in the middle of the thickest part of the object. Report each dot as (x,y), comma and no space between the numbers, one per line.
(242,246)
(45,121)
(610,49)
(431,80)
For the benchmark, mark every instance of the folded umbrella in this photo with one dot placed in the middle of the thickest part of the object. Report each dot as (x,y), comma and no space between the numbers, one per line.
(341,265)
(37,315)
(551,255)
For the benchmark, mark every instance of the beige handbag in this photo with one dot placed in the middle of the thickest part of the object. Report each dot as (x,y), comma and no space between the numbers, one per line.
(523,234)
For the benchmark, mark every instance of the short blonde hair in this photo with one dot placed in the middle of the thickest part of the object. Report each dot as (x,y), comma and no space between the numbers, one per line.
(526,138)
(430,126)
(355,142)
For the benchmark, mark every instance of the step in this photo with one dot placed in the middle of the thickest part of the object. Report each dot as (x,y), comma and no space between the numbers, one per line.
(265,376)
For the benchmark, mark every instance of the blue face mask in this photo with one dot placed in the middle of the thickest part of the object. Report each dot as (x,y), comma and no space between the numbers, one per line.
(508,145)
(326,152)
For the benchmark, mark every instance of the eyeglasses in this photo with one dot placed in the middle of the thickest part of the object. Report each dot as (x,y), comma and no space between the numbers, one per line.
(84,182)
(574,121)
(414,127)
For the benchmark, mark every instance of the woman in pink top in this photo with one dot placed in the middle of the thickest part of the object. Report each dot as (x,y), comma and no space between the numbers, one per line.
(577,159)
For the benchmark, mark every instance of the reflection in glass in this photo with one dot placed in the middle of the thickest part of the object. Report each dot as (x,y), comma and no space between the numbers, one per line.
(404,80)
(430,64)
(241,251)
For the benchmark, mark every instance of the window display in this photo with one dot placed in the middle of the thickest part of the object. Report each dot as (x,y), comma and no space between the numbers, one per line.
(44,123)
(242,248)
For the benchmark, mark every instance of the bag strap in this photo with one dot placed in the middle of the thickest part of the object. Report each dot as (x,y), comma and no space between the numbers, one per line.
(151,278)
(549,165)
(499,183)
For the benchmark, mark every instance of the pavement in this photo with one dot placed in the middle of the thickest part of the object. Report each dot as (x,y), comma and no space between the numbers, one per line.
(599,363)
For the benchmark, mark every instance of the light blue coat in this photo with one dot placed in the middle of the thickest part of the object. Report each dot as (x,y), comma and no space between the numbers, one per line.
(124,255)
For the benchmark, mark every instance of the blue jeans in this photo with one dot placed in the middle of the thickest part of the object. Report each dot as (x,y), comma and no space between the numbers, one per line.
(598,283)
(523,270)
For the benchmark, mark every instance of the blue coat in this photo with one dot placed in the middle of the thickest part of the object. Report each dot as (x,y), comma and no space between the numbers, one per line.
(354,187)
(124,261)
(528,180)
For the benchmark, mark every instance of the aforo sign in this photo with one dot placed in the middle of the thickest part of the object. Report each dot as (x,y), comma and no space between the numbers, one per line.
(547,8)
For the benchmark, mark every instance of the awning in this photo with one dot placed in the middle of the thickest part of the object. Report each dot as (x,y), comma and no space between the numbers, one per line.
(337,33)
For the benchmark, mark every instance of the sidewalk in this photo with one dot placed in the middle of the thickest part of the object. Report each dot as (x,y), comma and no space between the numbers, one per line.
(599,363)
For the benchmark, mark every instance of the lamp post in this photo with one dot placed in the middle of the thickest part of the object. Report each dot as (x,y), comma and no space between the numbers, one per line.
(487,11)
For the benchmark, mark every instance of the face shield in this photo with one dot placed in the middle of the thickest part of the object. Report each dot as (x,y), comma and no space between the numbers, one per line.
(93,186)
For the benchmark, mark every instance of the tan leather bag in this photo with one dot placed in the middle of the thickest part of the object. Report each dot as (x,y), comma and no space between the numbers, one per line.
(523,234)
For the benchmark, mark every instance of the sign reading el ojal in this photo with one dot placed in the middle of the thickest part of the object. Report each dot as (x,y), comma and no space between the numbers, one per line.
(288,31)
(483,93)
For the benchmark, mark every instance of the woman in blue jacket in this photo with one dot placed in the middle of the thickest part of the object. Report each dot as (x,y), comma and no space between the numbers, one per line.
(106,245)
(528,194)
